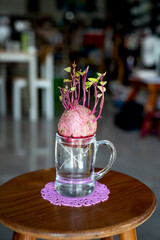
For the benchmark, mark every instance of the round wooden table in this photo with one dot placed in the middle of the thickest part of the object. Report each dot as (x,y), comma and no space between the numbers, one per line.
(23,210)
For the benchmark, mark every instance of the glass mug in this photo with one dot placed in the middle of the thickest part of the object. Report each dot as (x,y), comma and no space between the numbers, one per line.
(75,161)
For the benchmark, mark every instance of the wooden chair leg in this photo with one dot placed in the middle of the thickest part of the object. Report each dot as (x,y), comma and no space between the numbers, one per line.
(146,126)
(130,235)
(152,99)
(132,94)
(19,236)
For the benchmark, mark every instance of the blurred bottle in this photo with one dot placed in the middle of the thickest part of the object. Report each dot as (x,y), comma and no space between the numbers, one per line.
(24,41)
(31,41)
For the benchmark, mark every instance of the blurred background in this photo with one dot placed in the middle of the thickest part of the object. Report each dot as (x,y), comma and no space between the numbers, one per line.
(38,39)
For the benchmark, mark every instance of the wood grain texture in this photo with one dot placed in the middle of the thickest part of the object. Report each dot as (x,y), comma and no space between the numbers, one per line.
(130,235)
(24,210)
(18,236)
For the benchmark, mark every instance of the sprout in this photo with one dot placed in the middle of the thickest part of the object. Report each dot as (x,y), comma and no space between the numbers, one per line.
(70,94)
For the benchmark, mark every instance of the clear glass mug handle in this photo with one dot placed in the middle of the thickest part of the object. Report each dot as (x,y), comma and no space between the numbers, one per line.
(112,158)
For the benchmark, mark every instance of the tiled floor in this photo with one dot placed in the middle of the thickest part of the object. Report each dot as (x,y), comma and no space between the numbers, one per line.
(25,147)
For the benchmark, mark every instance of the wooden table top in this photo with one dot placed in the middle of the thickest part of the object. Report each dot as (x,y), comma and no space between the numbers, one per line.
(23,210)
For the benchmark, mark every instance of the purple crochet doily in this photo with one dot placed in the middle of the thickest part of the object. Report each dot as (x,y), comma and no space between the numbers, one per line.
(99,194)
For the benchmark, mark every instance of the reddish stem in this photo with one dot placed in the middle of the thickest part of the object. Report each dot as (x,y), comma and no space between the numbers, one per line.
(72,97)
(79,88)
(89,97)
(63,99)
(101,105)
(84,90)
(95,96)
(68,100)
(74,85)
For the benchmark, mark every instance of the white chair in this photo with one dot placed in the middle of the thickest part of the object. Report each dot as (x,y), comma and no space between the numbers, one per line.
(45,83)
(18,84)
(3,108)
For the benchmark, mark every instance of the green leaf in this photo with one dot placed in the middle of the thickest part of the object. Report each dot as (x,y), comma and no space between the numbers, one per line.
(94,80)
(82,73)
(73,89)
(68,69)
(104,74)
(77,74)
(99,74)
(99,95)
(86,87)
(101,88)
(67,80)
(88,83)
(103,83)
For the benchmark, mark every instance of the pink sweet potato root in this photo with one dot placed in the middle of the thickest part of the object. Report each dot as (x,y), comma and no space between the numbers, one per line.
(77,122)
